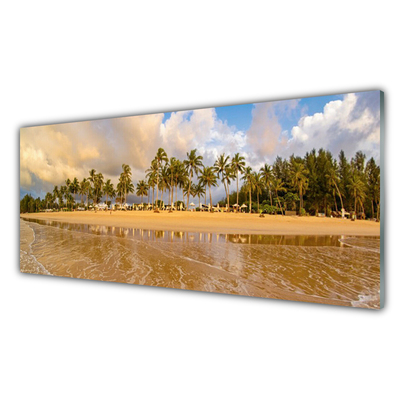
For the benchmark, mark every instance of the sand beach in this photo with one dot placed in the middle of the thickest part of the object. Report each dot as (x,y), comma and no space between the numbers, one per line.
(234,223)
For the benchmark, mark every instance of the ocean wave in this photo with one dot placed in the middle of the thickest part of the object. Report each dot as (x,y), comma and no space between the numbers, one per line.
(28,261)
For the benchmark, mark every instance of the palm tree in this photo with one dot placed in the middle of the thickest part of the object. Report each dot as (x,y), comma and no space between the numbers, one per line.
(108,189)
(48,198)
(152,176)
(248,177)
(237,165)
(74,188)
(208,178)
(278,186)
(83,187)
(92,176)
(64,192)
(67,184)
(68,198)
(56,194)
(358,190)
(188,189)
(160,157)
(164,183)
(61,194)
(266,174)
(98,186)
(223,171)
(172,165)
(333,181)
(124,187)
(180,177)
(129,188)
(141,189)
(298,175)
(198,190)
(88,188)
(127,176)
(258,185)
(120,191)
(192,164)
(373,183)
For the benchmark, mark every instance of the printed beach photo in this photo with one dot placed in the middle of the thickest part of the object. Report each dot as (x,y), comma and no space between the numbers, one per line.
(277,199)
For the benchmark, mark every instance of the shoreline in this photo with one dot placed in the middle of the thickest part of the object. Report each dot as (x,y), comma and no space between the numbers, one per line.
(185,221)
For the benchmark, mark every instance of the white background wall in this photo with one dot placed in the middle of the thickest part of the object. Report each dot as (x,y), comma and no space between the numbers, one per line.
(70,339)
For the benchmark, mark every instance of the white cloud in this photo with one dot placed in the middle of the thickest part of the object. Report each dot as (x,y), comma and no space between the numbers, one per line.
(265,136)
(338,127)
(51,154)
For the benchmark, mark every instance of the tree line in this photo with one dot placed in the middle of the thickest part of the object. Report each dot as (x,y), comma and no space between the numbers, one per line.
(311,184)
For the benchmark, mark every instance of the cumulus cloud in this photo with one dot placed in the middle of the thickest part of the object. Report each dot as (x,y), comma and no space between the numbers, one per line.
(351,124)
(265,136)
(51,154)
(201,130)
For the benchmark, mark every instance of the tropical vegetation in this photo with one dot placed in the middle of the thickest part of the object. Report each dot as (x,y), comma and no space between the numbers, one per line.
(310,185)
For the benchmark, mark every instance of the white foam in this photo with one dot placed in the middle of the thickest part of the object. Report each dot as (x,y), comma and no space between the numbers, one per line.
(28,257)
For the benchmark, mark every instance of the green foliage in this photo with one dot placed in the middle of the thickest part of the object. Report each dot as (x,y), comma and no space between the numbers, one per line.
(311,184)
(291,200)
(268,209)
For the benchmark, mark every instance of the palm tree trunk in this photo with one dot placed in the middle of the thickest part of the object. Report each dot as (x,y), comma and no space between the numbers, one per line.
(227,190)
(157,193)
(301,199)
(250,201)
(258,202)
(211,204)
(279,203)
(188,195)
(355,203)
(270,194)
(237,190)
(172,192)
(176,194)
(340,196)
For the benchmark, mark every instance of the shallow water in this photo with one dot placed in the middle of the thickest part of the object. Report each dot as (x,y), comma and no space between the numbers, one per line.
(327,269)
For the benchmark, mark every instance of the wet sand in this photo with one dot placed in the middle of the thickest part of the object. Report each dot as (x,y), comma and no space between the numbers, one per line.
(217,222)
(339,270)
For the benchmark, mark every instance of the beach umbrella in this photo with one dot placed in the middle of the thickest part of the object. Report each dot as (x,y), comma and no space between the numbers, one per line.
(244,206)
(235,205)
(192,204)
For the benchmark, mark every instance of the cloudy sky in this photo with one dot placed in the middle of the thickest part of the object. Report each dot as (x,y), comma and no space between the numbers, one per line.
(261,131)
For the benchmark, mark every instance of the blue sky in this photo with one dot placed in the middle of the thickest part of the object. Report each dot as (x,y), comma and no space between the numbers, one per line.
(240,116)
(260,132)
